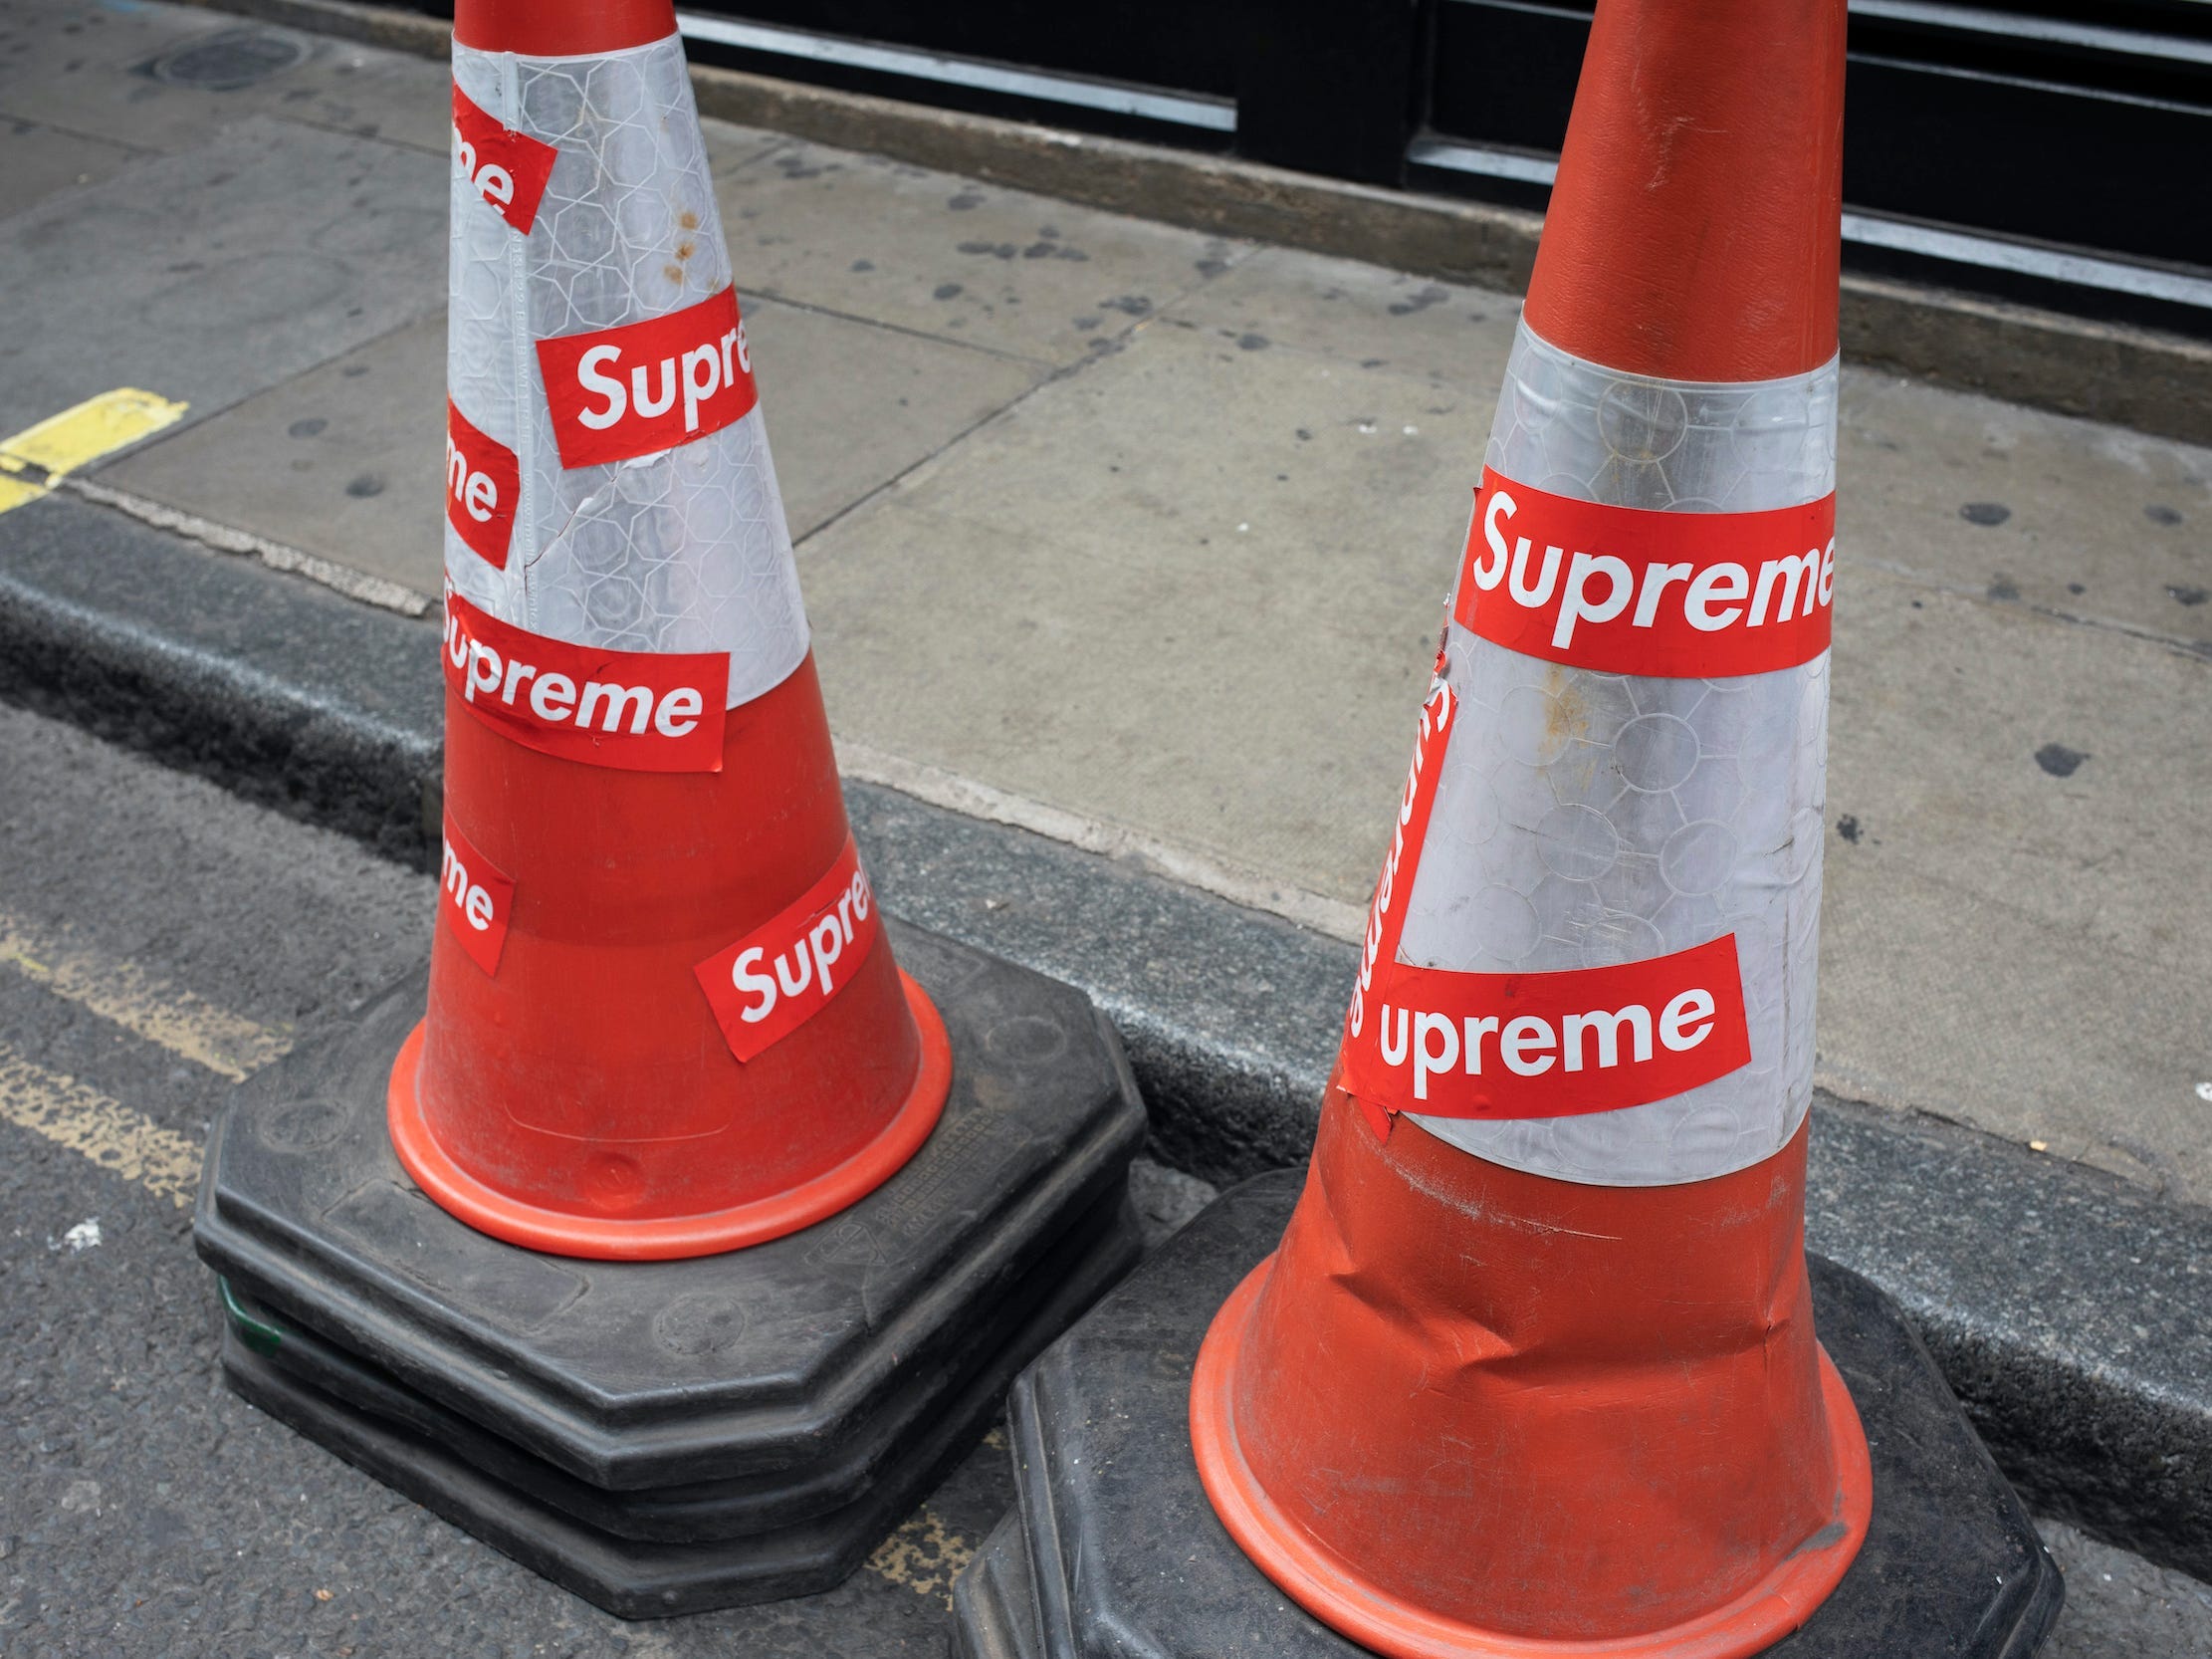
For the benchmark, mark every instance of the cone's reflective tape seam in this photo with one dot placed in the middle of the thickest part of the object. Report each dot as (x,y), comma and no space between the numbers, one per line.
(475,900)
(594,340)
(775,978)
(1633,780)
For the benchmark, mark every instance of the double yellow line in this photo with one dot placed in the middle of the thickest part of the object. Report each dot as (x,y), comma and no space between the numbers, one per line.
(67,1112)
(923,1556)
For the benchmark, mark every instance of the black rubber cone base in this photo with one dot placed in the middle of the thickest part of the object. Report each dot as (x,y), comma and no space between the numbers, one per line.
(667,1437)
(1113,1548)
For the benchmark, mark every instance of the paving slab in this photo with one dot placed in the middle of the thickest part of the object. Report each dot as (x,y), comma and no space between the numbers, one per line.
(38,161)
(208,275)
(2079,521)
(731,147)
(1194,590)
(344,460)
(168,78)
(2013,926)
(85,45)
(944,256)
(851,406)
(1350,313)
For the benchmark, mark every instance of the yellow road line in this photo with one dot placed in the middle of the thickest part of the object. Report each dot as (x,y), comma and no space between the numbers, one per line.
(183,1022)
(38,457)
(107,1131)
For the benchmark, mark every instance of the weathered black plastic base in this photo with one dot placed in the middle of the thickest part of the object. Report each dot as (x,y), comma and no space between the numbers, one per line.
(669,1437)
(1113,1548)
(587,1540)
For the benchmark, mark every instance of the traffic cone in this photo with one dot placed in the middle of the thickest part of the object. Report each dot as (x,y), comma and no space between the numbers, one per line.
(736,1231)
(1533,1370)
(1579,1270)
(641,803)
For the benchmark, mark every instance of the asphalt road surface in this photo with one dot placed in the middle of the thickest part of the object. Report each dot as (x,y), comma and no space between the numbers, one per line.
(159,939)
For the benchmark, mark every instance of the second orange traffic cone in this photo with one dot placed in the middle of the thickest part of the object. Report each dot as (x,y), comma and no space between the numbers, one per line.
(1533,1371)
(1535,1362)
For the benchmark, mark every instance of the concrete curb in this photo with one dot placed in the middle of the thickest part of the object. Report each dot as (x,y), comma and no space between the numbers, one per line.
(2067,1308)
(292,695)
(2153,382)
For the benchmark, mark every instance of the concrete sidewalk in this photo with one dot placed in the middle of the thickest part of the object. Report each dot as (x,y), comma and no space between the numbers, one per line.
(1140,539)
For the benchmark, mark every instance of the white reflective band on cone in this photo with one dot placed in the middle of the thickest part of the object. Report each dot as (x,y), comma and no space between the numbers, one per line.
(683,551)
(1587,818)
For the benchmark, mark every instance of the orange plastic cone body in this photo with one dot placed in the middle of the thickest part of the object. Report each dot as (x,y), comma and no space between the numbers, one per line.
(1466,1410)
(561,28)
(582,1102)
(587,1082)
(1469,1408)
(1695,224)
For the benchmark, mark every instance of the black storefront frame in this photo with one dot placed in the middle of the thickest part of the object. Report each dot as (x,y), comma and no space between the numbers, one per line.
(2057,151)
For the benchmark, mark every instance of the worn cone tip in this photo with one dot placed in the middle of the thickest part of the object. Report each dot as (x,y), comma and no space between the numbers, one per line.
(1694,228)
(561,28)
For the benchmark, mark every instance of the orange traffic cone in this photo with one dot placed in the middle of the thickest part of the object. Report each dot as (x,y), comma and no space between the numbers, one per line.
(662,1016)
(663,1019)
(1532,1372)
(1535,1371)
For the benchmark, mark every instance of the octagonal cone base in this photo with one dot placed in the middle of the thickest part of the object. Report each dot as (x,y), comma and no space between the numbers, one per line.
(667,1437)
(1113,1547)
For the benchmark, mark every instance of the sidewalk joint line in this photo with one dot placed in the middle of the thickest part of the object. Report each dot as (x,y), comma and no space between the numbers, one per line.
(906,328)
(2197,650)
(137,152)
(1055,375)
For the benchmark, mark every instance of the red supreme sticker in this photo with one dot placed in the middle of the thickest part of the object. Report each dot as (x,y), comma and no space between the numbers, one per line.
(508,168)
(1386,917)
(647,386)
(1557,1045)
(474,899)
(639,711)
(781,975)
(481,481)
(1505,1045)
(1625,591)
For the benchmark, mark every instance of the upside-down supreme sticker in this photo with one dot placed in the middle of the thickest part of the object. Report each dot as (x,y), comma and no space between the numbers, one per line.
(636,711)
(1444,1043)
(475,900)
(508,168)
(768,984)
(482,480)
(1628,590)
